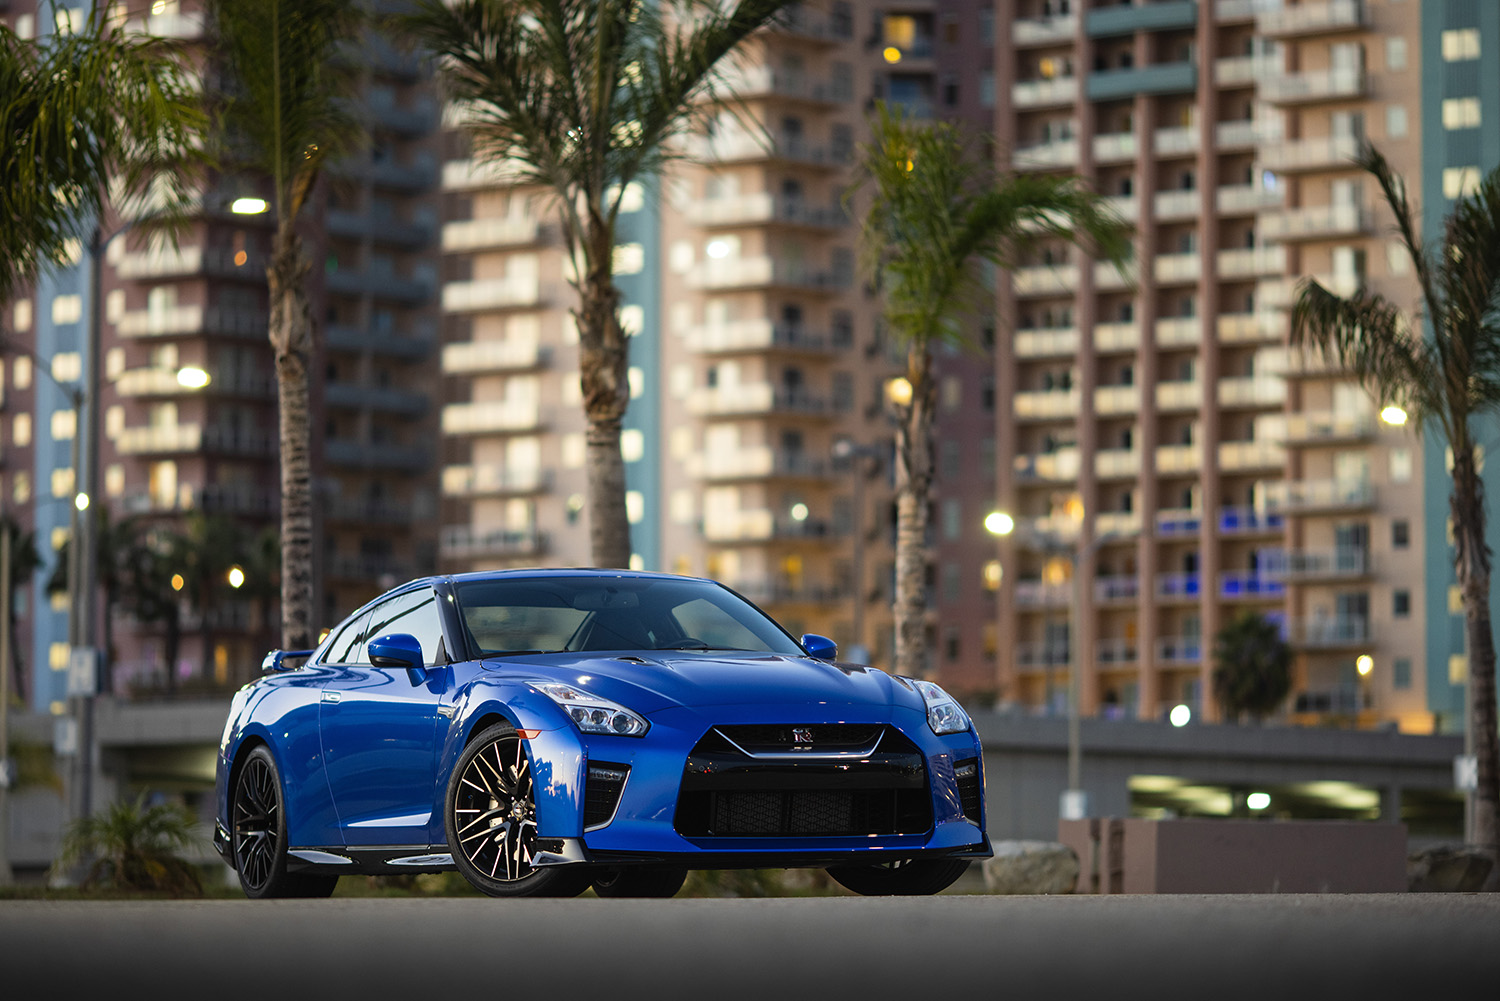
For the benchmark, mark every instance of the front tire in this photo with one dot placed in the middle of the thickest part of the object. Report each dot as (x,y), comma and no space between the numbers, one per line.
(258,822)
(906,878)
(490,814)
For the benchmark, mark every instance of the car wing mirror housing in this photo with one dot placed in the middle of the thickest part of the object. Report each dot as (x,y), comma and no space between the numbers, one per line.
(398,650)
(820,647)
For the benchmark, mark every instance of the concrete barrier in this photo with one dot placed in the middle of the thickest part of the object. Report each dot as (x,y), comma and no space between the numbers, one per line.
(1236,856)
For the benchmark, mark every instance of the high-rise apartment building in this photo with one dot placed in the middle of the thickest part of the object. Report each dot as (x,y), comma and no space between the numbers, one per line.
(168,452)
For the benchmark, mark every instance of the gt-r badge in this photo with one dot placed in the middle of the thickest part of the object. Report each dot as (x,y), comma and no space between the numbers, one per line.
(802,735)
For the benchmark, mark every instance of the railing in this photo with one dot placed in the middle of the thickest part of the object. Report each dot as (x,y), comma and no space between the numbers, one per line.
(492,356)
(1048,342)
(470,481)
(502,231)
(500,415)
(1178,585)
(1250,584)
(1328,563)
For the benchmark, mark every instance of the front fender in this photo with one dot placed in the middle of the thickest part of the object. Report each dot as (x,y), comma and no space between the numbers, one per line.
(556,752)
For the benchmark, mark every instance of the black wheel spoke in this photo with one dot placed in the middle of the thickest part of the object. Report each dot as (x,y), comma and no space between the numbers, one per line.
(494,814)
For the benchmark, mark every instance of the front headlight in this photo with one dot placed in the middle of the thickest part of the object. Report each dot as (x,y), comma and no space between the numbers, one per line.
(593,714)
(944,715)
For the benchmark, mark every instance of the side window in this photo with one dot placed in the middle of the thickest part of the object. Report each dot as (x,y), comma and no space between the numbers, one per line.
(414,612)
(349,644)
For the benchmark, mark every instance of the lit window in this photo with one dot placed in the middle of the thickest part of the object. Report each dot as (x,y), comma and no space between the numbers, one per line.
(1460,44)
(635,506)
(64,425)
(629,259)
(1461,113)
(20,430)
(67,366)
(1460,181)
(632,445)
(57,656)
(62,482)
(67,309)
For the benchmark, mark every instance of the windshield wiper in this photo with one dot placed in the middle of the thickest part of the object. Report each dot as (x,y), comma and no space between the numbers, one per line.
(698,645)
(515,653)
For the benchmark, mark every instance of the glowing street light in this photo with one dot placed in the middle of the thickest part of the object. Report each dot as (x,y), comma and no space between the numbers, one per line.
(892,54)
(192,377)
(249,206)
(236,577)
(1258,800)
(1180,716)
(1364,664)
(1394,416)
(999,523)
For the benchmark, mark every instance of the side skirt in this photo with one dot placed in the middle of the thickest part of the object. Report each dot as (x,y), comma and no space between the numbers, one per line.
(387,861)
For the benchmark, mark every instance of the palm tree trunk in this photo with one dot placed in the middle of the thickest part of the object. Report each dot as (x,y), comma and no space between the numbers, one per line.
(291,343)
(913,488)
(1467,508)
(605,381)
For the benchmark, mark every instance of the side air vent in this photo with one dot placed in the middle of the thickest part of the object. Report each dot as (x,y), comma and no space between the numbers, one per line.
(967,774)
(601,794)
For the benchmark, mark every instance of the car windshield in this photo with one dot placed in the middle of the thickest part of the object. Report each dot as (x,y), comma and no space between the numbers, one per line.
(554,614)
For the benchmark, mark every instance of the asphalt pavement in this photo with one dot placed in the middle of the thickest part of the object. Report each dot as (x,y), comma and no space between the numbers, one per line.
(1269,948)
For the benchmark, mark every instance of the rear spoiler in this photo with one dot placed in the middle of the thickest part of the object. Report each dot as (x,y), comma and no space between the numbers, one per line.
(274,661)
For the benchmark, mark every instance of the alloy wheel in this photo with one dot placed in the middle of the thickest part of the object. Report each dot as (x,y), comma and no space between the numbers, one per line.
(257,823)
(496,812)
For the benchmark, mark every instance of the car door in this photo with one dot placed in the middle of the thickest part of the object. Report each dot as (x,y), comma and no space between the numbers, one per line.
(379,729)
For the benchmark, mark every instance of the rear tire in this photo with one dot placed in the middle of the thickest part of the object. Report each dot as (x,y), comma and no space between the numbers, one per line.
(490,814)
(257,818)
(639,882)
(906,878)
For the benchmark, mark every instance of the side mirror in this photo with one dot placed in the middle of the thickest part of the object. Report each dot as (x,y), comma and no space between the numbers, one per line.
(398,650)
(820,647)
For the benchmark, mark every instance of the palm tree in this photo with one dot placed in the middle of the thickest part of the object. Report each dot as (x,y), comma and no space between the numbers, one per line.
(84,112)
(1444,375)
(132,846)
(154,595)
(579,98)
(115,543)
(1252,667)
(287,117)
(24,562)
(936,212)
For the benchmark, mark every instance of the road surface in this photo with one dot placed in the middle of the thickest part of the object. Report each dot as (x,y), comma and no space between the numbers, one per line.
(1267,948)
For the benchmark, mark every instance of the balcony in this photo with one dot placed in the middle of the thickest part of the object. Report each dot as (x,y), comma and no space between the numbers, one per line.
(1244,199)
(475,357)
(762,82)
(1111,147)
(1032,31)
(363,226)
(1179,586)
(1117,526)
(1248,328)
(1330,427)
(1127,19)
(1183,395)
(1116,588)
(753,337)
(1235,71)
(1252,585)
(763,207)
(1060,153)
(1319,496)
(742,147)
(1163,78)
(1178,269)
(1179,332)
(1179,650)
(740,526)
(492,293)
(1117,463)
(1179,521)
(1040,653)
(1311,364)
(489,234)
(467,175)
(1044,93)
(1178,204)
(1052,279)
(1345,84)
(375,511)
(464,542)
(1234,135)
(1227,11)
(1116,652)
(1117,401)
(1250,521)
(1059,466)
(1344,564)
(1117,336)
(1297,155)
(797,22)
(748,399)
(415,345)
(1178,140)
(1049,342)
(149,382)
(1252,262)
(1177,459)
(1252,391)
(1039,594)
(763,462)
(1309,18)
(407,122)
(1108,277)
(493,481)
(186,25)
(763,272)
(379,285)
(1048,404)
(1329,633)
(420,175)
(1127,207)
(1251,456)
(493,417)
(361,396)
(777,592)
(1316,222)
(378,456)
(159,439)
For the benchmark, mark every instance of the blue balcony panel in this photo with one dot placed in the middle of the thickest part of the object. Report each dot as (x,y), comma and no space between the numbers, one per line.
(1163,78)
(1126,19)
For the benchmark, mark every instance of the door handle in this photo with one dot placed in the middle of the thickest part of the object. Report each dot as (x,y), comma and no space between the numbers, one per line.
(331,696)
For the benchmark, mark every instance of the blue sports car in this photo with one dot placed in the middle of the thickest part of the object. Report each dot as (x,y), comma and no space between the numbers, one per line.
(547,730)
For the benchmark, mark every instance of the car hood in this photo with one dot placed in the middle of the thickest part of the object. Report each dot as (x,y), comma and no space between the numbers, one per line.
(651,681)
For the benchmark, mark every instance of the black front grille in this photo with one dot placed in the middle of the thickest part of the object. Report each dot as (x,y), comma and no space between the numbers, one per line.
(774,738)
(601,793)
(728,793)
(967,774)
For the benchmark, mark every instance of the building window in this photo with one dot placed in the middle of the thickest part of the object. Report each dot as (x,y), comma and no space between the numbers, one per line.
(1459,181)
(1461,113)
(951,644)
(67,309)
(952,585)
(1401,604)
(1460,44)
(1395,53)
(1400,534)
(1401,673)
(952,519)
(1400,465)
